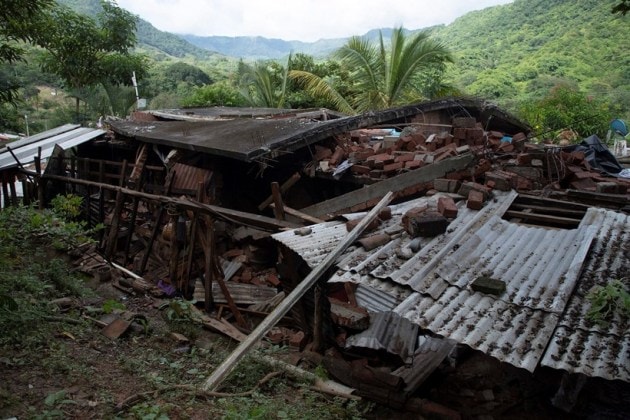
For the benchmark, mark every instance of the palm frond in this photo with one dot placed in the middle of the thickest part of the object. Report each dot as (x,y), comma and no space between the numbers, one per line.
(320,88)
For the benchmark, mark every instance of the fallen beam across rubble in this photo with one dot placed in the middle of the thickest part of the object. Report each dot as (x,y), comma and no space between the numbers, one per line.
(370,194)
(223,370)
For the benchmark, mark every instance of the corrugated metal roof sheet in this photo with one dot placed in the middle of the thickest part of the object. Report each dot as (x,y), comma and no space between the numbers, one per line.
(388,331)
(540,267)
(578,344)
(67,137)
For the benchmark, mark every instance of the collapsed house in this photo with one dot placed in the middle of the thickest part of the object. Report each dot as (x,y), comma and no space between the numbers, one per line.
(492,241)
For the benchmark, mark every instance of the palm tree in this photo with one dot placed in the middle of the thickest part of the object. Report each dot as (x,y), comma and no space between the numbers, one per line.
(382,78)
(263,86)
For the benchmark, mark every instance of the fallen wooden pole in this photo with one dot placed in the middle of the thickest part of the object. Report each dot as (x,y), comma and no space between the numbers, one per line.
(221,372)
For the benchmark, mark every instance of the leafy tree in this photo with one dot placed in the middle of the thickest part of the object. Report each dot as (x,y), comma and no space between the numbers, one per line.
(217,94)
(381,77)
(19,23)
(183,72)
(86,52)
(564,108)
(622,7)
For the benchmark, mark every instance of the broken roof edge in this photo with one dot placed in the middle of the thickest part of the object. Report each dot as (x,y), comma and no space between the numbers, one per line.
(227,113)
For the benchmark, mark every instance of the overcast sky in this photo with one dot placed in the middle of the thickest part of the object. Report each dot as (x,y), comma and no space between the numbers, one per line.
(303,20)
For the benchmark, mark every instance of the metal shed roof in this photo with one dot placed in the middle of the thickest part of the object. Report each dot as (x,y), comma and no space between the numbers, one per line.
(540,266)
(66,136)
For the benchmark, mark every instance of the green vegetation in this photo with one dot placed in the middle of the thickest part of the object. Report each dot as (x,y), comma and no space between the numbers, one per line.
(381,77)
(525,56)
(608,301)
(61,366)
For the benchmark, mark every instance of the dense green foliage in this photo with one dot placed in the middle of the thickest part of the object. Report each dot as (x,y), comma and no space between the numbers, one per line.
(516,55)
(382,76)
(19,23)
(519,51)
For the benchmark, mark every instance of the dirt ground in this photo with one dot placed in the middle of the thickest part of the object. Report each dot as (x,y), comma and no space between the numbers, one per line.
(150,373)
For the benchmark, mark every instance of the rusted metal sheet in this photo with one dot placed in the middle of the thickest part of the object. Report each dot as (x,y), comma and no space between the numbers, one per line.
(187,178)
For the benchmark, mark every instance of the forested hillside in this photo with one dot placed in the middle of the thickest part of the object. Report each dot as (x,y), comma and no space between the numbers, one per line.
(520,50)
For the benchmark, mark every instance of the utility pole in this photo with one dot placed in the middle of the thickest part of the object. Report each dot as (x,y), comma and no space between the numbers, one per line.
(26,121)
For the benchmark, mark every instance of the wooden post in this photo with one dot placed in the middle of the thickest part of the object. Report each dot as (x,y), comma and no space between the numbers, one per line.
(41,183)
(169,181)
(283,189)
(192,242)
(317,318)
(14,198)
(132,221)
(221,372)
(123,174)
(174,247)
(113,230)
(73,172)
(5,189)
(26,193)
(208,271)
(278,208)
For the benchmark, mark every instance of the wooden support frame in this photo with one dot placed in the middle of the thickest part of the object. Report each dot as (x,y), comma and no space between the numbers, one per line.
(221,372)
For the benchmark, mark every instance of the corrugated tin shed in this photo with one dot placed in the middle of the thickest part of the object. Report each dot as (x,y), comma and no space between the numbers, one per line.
(540,268)
(66,136)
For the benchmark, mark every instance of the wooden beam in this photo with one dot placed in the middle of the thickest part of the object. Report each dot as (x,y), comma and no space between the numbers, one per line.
(553,220)
(278,205)
(235,216)
(221,372)
(549,210)
(283,188)
(112,238)
(397,184)
(300,215)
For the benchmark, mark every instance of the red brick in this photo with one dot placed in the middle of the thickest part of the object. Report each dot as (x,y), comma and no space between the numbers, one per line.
(424,223)
(414,164)
(523,159)
(475,200)
(506,147)
(351,224)
(385,213)
(337,156)
(404,157)
(473,186)
(502,180)
(459,133)
(584,184)
(360,169)
(446,206)
(475,135)
(322,153)
(446,185)
(393,167)
(464,122)
(297,340)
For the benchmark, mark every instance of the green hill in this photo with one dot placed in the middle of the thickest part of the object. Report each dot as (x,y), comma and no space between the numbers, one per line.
(521,49)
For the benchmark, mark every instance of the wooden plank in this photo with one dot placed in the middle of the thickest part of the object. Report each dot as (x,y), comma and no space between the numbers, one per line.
(549,210)
(554,220)
(249,219)
(278,205)
(221,372)
(397,184)
(300,215)
(113,230)
(283,188)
